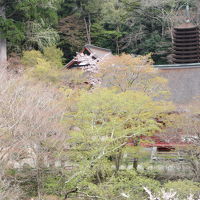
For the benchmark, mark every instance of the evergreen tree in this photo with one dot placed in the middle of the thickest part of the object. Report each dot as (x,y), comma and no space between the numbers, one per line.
(27,24)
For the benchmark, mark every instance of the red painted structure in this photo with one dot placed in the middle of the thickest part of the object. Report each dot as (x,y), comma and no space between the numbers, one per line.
(156,141)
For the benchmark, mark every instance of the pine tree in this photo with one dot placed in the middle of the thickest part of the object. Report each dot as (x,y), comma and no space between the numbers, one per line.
(27,24)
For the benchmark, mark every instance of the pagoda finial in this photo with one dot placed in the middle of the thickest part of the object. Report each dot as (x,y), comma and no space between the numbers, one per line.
(187,11)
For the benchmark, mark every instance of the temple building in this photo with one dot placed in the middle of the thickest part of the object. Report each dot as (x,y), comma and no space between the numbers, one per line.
(183,75)
(97,53)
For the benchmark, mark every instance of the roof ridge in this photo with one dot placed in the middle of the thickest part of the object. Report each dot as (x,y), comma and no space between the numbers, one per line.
(93,46)
(178,66)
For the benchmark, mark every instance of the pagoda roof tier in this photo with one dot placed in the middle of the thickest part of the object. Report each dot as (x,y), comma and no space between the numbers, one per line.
(186,36)
(187,56)
(186,48)
(186,32)
(186,39)
(186,26)
(185,60)
(186,44)
(187,52)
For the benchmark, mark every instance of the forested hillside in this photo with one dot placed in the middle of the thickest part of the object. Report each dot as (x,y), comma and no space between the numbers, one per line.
(106,128)
(130,26)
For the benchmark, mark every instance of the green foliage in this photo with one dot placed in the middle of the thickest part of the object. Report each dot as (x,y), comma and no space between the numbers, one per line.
(30,24)
(40,9)
(54,56)
(47,66)
(41,69)
(51,54)
(126,72)
(40,36)
(45,72)
(44,66)
(11,30)
(114,112)
(102,123)
(99,122)
(53,184)
(183,187)
(115,186)
(135,27)
(155,44)
(27,180)
(73,35)
(11,172)
(30,58)
(105,37)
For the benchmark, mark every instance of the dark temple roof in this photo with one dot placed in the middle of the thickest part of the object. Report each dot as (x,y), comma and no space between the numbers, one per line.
(185,26)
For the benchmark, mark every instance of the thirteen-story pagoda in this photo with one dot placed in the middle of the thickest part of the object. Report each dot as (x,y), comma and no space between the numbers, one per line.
(186,44)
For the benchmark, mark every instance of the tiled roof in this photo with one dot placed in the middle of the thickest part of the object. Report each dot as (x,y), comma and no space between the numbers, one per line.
(97,52)
(186,26)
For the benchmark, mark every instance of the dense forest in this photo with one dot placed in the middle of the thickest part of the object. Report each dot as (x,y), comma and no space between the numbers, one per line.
(129,26)
(90,133)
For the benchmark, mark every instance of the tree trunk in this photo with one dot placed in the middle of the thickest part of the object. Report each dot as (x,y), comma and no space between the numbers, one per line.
(198,12)
(118,157)
(3,47)
(117,41)
(3,51)
(135,163)
(87,21)
(135,160)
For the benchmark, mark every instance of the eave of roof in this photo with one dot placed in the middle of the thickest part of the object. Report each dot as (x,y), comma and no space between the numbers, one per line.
(186,26)
(177,66)
(93,46)
(164,144)
(70,63)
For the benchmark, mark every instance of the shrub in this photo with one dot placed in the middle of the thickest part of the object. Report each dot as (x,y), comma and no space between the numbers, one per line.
(123,184)
(183,187)
(43,66)
(54,56)
(30,58)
